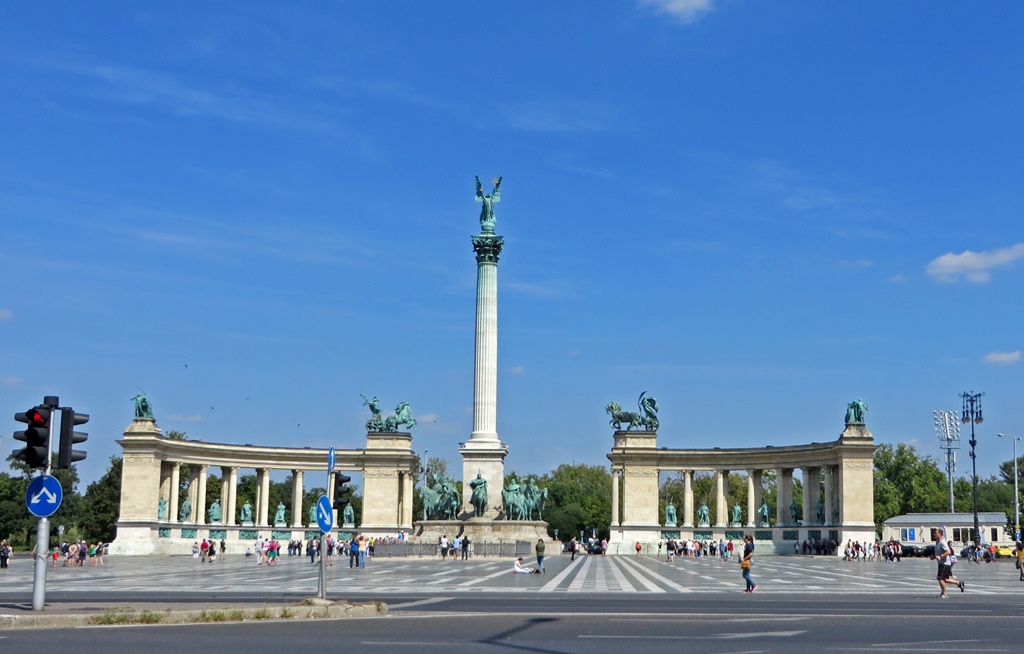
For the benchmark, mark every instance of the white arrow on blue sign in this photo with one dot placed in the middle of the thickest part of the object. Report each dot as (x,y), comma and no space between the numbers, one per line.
(44,496)
(330,460)
(324,514)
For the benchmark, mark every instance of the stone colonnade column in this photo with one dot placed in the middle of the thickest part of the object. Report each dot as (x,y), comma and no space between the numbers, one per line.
(232,503)
(225,493)
(758,494)
(615,498)
(405,517)
(193,491)
(172,509)
(751,500)
(165,489)
(297,476)
(721,509)
(829,496)
(785,497)
(264,482)
(808,507)
(200,504)
(688,498)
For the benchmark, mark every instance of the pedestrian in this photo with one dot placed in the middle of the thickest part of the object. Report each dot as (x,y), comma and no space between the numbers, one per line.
(1018,554)
(572,548)
(364,546)
(204,551)
(942,554)
(747,561)
(443,544)
(465,547)
(212,552)
(353,552)
(539,548)
(6,554)
(223,548)
(637,548)
(82,552)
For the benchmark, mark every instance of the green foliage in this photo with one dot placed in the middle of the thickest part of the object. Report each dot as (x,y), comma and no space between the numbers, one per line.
(579,499)
(907,483)
(101,505)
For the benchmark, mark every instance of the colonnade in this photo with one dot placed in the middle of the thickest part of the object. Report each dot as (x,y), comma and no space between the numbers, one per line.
(152,492)
(819,485)
(837,485)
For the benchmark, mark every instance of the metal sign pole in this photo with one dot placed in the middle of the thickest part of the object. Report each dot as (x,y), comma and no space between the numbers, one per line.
(43,530)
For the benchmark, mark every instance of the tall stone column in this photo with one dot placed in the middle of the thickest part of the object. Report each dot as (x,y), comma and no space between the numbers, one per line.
(165,490)
(232,503)
(264,485)
(406,516)
(688,498)
(484,453)
(200,503)
(174,510)
(615,498)
(758,495)
(297,498)
(751,500)
(193,492)
(721,508)
(829,496)
(785,497)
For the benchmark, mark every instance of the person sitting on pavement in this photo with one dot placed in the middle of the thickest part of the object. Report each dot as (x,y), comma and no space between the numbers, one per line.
(519,568)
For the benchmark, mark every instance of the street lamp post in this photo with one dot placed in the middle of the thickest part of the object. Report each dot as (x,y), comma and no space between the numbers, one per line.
(1016,494)
(972,414)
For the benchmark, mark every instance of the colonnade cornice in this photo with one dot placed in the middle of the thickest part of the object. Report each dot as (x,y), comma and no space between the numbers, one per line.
(761,458)
(257,457)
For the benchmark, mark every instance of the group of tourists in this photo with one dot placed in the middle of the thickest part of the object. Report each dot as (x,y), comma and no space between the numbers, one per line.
(75,554)
(817,546)
(458,546)
(206,552)
(721,548)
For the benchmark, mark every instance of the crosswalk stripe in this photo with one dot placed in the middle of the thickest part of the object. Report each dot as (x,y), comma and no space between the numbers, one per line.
(553,584)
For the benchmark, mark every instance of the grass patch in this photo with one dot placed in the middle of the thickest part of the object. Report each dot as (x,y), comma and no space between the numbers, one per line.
(113,616)
(287,613)
(238,615)
(261,614)
(150,617)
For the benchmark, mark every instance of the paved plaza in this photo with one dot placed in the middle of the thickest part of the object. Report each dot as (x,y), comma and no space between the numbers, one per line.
(167,577)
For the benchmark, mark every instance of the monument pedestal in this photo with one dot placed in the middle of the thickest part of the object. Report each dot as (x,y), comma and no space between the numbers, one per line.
(486,458)
(482,530)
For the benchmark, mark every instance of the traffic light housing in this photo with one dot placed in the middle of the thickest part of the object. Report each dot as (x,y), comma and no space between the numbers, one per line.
(341,490)
(66,454)
(36,436)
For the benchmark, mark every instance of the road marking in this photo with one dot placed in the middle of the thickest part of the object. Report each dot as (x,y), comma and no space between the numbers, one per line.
(472,582)
(577,583)
(650,585)
(624,583)
(430,600)
(639,569)
(553,584)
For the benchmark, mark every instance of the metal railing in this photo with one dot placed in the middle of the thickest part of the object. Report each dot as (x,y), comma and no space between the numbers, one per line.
(409,549)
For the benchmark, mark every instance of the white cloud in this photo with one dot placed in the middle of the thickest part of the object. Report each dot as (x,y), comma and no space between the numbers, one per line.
(559,115)
(5,314)
(427,417)
(518,370)
(1002,358)
(685,11)
(9,381)
(975,266)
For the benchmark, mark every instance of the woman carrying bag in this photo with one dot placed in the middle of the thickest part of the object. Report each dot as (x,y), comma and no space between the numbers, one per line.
(748,557)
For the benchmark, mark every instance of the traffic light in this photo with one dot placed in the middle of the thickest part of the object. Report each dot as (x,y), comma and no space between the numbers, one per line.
(341,490)
(36,436)
(68,437)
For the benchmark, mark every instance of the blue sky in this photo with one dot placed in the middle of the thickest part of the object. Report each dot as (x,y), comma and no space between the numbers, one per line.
(754,211)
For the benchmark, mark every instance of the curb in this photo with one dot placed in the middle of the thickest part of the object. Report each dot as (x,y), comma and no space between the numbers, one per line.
(119,616)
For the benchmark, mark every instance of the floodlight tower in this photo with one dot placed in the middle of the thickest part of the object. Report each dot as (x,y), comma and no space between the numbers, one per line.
(947,426)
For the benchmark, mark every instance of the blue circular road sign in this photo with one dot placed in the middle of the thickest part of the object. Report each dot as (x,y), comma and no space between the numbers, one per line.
(44,496)
(324,514)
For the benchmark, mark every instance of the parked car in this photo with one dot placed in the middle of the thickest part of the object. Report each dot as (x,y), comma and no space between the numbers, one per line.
(928,551)
(910,550)
(1004,550)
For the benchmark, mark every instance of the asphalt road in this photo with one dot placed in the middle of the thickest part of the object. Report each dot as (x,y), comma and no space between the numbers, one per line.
(710,624)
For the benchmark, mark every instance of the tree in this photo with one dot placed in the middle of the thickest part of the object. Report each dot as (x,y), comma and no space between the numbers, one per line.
(101,505)
(579,497)
(907,483)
